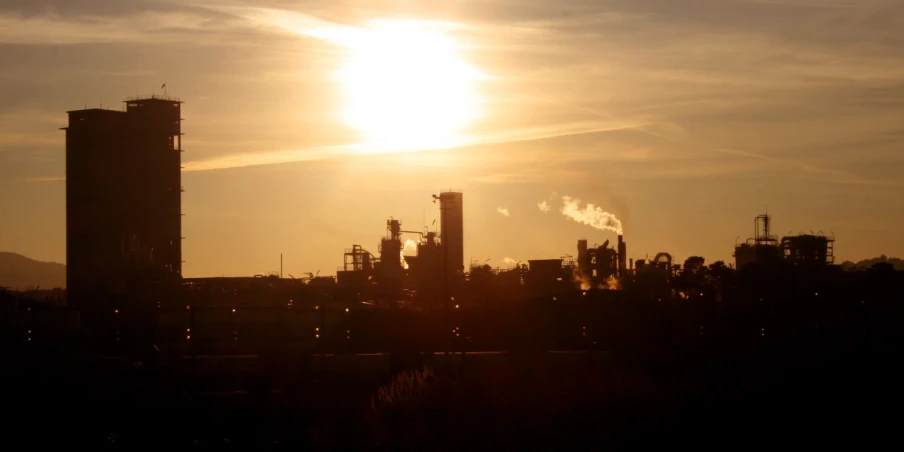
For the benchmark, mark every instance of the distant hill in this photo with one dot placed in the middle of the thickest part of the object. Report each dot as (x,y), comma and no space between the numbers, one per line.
(897,263)
(19,272)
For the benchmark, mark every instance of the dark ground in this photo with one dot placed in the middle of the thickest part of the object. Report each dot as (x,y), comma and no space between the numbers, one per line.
(766,396)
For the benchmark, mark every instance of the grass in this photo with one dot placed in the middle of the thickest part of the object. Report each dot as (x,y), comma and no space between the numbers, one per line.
(406,387)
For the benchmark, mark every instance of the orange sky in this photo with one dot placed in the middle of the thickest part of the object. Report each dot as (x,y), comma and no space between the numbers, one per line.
(683,119)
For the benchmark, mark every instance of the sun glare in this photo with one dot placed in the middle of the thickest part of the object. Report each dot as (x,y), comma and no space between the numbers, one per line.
(407,88)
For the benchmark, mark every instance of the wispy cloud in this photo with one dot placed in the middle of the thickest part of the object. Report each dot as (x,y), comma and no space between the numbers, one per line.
(832,175)
(268,158)
(44,179)
(544,206)
(357,149)
(163,26)
(503,211)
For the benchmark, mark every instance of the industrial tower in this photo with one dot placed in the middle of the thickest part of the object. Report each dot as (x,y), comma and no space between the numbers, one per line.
(123,198)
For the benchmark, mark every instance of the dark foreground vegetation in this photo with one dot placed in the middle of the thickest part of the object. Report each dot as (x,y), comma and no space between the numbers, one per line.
(785,362)
(714,397)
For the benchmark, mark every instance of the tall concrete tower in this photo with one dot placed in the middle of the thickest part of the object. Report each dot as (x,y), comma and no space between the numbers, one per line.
(123,198)
(452,232)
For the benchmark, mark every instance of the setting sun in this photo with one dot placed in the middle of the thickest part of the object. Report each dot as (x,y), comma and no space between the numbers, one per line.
(406,88)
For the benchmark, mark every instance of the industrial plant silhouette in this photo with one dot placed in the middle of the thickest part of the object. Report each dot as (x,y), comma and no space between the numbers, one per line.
(610,338)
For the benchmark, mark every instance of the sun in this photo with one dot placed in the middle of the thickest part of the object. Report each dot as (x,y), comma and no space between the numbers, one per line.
(406,87)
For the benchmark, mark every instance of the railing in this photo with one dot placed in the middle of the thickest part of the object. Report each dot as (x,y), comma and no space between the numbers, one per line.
(154,96)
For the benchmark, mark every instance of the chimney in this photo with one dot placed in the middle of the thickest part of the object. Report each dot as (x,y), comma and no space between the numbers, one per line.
(582,255)
(622,256)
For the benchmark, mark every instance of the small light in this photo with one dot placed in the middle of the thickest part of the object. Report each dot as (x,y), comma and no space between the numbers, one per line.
(346,309)
(456,334)
(116,311)
(585,293)
(584,327)
(553,298)
(456,306)
(29,331)
(233,309)
(317,307)
(29,339)
(188,307)
(816,294)
(701,294)
(317,328)
(188,330)
(316,336)
(187,337)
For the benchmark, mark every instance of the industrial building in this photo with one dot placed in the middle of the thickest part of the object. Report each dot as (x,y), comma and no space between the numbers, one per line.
(765,249)
(597,265)
(123,198)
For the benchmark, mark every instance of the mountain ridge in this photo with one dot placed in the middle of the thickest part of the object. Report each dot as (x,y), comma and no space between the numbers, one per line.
(19,272)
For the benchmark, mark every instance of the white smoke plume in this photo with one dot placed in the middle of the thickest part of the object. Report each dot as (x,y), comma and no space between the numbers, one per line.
(590,215)
(410,245)
(510,261)
(504,211)
(543,206)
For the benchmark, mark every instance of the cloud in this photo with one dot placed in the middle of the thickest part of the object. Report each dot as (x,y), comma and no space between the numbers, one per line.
(44,179)
(268,158)
(356,149)
(543,206)
(503,211)
(590,215)
(833,175)
(150,27)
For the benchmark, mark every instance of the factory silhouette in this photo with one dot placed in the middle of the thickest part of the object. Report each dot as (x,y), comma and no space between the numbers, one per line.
(781,303)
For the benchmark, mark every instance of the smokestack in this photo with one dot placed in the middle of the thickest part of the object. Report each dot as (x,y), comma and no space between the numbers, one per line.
(622,256)
(582,255)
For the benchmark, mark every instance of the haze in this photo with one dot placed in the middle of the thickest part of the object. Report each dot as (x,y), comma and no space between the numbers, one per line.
(308,123)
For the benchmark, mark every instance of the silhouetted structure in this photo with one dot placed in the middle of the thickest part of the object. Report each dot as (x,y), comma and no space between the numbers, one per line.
(762,248)
(595,266)
(803,249)
(123,198)
(452,232)
(358,267)
(809,249)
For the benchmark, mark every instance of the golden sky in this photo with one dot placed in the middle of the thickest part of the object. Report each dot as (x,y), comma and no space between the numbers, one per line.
(308,123)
